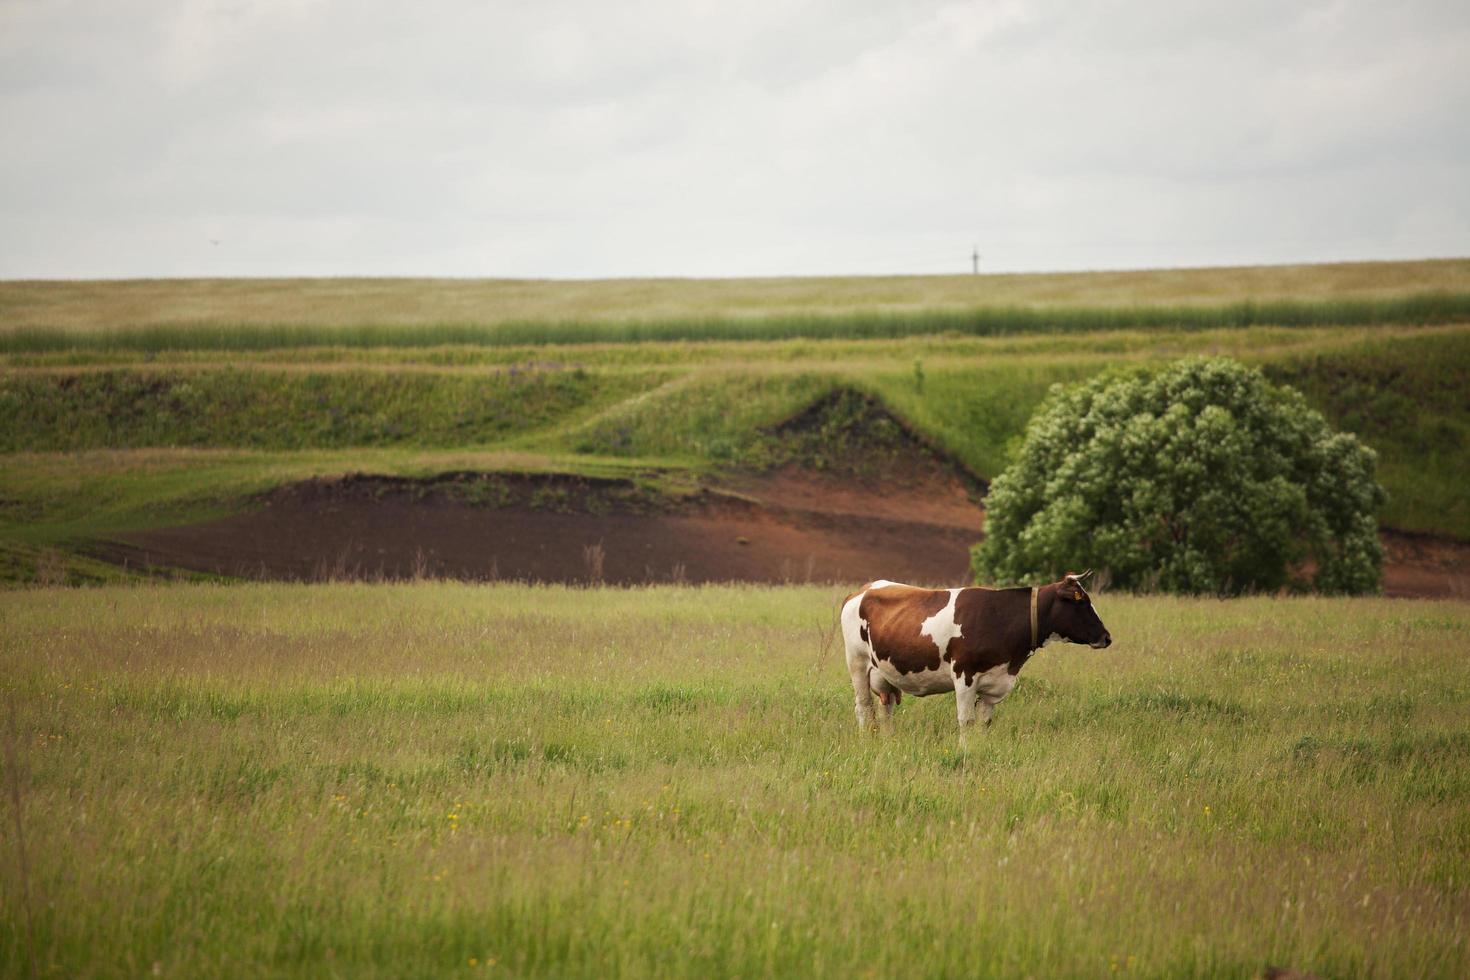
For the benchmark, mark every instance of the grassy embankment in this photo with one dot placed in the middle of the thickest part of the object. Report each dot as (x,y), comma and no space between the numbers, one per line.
(101,449)
(110,434)
(397,780)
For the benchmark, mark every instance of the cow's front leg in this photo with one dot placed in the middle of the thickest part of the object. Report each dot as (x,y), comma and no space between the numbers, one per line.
(967,698)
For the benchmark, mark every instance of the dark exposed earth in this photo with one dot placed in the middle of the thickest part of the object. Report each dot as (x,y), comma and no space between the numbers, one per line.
(790,525)
(571,529)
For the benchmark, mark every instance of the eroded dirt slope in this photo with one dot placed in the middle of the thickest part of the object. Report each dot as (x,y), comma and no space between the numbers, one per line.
(849,493)
(791,525)
(787,527)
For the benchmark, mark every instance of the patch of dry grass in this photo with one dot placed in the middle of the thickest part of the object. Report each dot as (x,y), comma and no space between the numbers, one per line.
(107,305)
(440,779)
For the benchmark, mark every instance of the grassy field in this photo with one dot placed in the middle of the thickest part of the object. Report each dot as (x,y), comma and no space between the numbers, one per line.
(246,314)
(105,305)
(440,780)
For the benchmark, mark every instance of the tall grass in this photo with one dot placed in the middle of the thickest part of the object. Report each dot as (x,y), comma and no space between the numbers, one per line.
(102,305)
(448,780)
(1424,308)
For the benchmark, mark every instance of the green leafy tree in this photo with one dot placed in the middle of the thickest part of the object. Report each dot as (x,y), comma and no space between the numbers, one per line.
(1200,478)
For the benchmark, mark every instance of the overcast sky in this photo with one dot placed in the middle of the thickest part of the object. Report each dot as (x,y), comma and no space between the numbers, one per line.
(593,139)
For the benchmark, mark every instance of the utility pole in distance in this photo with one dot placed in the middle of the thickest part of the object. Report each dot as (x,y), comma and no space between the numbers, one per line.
(975,260)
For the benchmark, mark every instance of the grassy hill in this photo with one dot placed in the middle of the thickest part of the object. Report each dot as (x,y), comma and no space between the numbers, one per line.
(99,434)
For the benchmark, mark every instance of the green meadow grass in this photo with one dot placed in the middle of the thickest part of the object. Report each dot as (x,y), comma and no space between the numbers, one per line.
(255,408)
(1409,400)
(445,780)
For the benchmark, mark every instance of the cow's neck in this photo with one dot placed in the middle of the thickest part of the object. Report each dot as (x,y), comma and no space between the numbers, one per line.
(1046,601)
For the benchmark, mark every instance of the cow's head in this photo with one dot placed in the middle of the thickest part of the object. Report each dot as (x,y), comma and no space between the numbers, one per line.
(1073,616)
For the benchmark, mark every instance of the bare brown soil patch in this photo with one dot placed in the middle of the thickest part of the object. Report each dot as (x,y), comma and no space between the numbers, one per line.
(870,499)
(575,529)
(790,525)
(1424,566)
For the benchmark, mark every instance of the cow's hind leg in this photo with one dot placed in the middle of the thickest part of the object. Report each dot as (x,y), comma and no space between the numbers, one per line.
(857,669)
(984,711)
(854,636)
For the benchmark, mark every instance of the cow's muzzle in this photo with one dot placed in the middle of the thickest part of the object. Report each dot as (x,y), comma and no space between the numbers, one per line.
(1104,643)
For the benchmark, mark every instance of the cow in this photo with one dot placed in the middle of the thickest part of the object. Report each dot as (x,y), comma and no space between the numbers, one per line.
(973,641)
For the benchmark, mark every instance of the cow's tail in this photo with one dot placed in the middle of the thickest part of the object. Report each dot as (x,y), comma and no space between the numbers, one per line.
(826,635)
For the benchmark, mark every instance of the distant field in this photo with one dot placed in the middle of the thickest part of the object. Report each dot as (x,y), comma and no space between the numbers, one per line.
(134,405)
(256,314)
(460,781)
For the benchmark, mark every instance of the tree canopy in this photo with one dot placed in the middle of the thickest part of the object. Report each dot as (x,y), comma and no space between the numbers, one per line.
(1199,478)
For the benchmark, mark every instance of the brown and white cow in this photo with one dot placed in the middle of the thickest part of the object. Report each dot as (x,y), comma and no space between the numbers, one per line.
(902,640)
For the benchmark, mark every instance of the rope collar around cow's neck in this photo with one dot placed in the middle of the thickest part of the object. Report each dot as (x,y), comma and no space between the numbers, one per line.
(1033,617)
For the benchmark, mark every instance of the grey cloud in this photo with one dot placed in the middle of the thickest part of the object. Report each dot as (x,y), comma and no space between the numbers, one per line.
(580,139)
